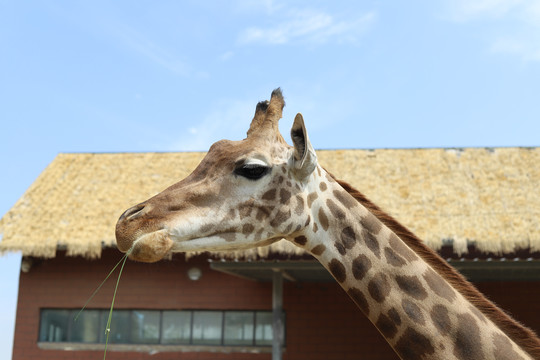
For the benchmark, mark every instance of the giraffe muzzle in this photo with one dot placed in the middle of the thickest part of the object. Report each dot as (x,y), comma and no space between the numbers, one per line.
(135,224)
(151,247)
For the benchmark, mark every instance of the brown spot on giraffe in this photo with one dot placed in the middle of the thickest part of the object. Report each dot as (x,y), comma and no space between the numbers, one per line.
(281,217)
(340,248)
(311,198)
(328,177)
(263,212)
(393,258)
(394,316)
(299,210)
(348,237)
(413,311)
(338,270)
(438,286)
(230,215)
(371,223)
(379,287)
(413,345)
(323,186)
(300,240)
(270,195)
(245,209)
(371,242)
(441,320)
(288,228)
(346,199)
(323,219)
(401,249)
(206,228)
(247,229)
(467,336)
(318,250)
(335,210)
(411,286)
(284,196)
(360,299)
(360,266)
(229,237)
(386,326)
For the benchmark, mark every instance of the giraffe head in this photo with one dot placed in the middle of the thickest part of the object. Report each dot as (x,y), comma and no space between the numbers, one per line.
(242,195)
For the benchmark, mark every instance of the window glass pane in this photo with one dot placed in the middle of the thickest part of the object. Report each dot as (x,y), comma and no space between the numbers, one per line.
(238,328)
(230,328)
(263,330)
(207,327)
(54,325)
(144,327)
(120,326)
(86,327)
(176,327)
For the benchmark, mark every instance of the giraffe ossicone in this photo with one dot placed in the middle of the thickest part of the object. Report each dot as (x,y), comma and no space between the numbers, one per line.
(256,191)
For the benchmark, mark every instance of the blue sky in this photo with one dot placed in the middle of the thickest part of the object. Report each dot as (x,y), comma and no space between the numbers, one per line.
(96,76)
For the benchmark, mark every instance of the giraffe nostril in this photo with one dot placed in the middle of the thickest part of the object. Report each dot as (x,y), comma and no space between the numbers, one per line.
(178,207)
(133,213)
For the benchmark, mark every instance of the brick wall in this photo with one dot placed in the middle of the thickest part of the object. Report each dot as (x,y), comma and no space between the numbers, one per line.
(322,322)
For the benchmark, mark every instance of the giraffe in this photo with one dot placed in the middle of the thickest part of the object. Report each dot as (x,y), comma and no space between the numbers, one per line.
(256,191)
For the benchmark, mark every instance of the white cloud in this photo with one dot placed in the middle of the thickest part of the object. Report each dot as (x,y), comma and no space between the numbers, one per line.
(515,24)
(524,48)
(252,6)
(151,50)
(309,26)
(464,10)
(229,119)
(226,55)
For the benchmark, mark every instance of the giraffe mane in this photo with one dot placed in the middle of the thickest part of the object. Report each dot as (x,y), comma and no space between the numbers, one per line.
(521,335)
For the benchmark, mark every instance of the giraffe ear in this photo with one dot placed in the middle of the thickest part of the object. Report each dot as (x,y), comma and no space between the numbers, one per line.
(304,158)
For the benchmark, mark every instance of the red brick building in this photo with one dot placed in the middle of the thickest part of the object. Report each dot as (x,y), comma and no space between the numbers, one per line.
(64,225)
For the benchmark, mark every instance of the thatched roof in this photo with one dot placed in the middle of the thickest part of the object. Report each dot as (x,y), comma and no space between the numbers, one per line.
(487,196)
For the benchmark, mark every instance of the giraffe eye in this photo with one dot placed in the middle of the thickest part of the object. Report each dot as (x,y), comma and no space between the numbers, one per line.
(252,171)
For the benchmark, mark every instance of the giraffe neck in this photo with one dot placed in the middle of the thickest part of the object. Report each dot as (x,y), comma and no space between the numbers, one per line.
(417,311)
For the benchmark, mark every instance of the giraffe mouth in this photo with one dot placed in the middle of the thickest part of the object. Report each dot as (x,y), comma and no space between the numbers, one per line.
(154,246)
(217,242)
(227,241)
(151,247)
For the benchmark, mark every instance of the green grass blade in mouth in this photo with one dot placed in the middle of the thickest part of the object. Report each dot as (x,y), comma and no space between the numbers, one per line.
(100,285)
(108,328)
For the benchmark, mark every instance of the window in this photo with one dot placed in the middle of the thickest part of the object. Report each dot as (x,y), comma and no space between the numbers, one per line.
(165,327)
(239,328)
(176,327)
(207,328)
(86,328)
(145,326)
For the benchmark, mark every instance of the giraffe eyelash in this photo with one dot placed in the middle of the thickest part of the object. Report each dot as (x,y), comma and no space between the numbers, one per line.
(252,171)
